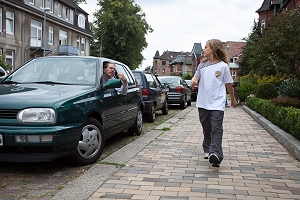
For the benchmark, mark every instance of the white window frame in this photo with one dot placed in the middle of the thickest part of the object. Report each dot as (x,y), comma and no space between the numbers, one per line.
(78,43)
(1,20)
(31,2)
(67,14)
(36,31)
(10,20)
(51,5)
(59,10)
(42,3)
(51,35)
(262,25)
(81,21)
(82,45)
(10,57)
(63,37)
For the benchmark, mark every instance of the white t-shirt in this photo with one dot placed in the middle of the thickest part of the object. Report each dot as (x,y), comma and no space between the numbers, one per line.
(211,88)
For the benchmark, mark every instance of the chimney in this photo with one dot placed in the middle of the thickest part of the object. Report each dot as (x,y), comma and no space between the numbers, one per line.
(187,55)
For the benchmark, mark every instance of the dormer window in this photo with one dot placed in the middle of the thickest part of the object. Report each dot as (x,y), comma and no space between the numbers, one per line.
(81,21)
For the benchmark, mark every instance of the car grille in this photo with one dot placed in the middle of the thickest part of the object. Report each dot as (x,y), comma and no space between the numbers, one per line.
(8,113)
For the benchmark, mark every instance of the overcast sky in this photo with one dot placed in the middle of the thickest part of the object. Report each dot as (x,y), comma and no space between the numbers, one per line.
(178,24)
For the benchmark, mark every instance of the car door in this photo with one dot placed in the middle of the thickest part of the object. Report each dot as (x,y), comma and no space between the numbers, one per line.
(115,105)
(133,95)
(156,89)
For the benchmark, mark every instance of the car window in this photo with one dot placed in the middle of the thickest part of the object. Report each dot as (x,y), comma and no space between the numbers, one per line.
(2,72)
(151,81)
(123,69)
(138,78)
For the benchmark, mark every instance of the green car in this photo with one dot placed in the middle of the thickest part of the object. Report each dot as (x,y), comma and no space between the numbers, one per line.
(57,106)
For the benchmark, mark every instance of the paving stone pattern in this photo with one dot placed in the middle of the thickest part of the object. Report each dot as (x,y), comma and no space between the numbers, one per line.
(255,165)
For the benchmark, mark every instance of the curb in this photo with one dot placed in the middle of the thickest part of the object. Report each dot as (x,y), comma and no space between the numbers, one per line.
(285,139)
(87,184)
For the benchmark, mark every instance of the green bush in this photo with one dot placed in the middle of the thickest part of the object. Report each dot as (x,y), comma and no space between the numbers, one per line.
(286,118)
(245,89)
(266,91)
(291,88)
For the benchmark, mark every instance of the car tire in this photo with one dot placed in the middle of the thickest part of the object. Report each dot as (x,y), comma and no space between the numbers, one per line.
(91,143)
(165,109)
(151,115)
(183,104)
(137,128)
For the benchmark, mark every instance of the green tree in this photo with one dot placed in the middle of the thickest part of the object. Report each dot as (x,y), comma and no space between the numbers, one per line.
(3,64)
(79,1)
(120,26)
(276,50)
(249,50)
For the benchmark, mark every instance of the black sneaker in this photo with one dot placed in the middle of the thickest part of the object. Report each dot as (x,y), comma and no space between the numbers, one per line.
(214,160)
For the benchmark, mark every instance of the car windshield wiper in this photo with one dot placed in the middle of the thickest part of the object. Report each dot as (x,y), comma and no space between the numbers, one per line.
(10,82)
(52,83)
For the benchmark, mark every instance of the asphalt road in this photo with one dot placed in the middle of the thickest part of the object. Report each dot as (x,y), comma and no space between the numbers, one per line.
(43,180)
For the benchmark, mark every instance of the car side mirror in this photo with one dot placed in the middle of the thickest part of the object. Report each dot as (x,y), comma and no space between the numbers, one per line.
(113,83)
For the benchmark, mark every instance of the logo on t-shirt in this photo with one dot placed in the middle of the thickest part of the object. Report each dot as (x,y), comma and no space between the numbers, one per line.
(218,73)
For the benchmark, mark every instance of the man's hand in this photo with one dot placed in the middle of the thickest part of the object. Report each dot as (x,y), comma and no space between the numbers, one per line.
(122,77)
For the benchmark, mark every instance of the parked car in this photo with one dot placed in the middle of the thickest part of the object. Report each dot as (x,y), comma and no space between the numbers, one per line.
(178,93)
(3,73)
(57,106)
(154,94)
(194,90)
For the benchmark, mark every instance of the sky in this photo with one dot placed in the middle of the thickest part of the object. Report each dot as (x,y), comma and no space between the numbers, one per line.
(178,24)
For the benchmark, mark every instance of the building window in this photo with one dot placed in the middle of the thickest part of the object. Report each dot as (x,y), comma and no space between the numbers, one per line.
(78,43)
(81,21)
(0,19)
(71,20)
(10,22)
(263,25)
(51,6)
(82,45)
(67,14)
(36,34)
(59,9)
(163,70)
(235,59)
(233,75)
(163,62)
(42,3)
(9,57)
(63,37)
(51,35)
(31,2)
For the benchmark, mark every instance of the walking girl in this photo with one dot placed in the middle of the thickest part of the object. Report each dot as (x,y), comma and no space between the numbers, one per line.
(213,78)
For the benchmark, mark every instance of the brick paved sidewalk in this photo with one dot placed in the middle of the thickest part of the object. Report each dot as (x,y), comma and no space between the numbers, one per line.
(255,165)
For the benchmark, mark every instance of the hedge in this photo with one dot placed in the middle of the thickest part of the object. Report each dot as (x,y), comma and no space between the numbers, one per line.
(286,118)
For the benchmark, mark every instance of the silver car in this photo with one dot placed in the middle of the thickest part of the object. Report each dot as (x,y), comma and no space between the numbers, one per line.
(179,92)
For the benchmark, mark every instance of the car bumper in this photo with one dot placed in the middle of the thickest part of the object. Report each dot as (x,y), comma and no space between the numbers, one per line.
(148,106)
(175,98)
(64,142)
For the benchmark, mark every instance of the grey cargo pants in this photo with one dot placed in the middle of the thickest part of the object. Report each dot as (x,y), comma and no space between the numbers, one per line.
(212,124)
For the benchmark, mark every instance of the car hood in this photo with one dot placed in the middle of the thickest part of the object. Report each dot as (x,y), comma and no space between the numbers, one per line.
(18,96)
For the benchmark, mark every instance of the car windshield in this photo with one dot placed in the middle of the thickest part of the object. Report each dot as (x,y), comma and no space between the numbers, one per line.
(64,70)
(169,80)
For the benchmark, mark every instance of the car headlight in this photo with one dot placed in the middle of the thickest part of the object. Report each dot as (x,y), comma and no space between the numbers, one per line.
(37,115)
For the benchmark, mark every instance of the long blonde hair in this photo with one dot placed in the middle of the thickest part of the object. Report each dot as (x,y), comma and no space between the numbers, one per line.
(218,49)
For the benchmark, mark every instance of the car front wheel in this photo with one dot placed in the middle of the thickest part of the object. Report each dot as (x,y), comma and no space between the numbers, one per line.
(90,145)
